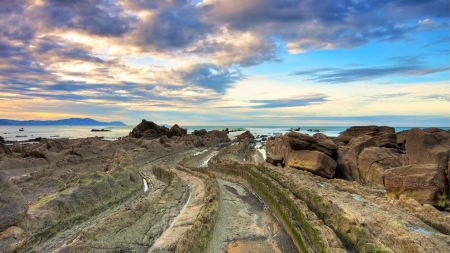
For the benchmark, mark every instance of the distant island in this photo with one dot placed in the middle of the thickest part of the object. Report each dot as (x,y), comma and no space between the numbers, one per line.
(61,122)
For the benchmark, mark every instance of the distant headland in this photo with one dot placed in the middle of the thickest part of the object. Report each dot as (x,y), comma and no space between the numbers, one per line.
(61,122)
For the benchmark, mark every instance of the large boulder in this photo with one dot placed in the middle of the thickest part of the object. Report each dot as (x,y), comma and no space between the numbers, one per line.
(13,206)
(348,157)
(313,161)
(148,129)
(176,131)
(426,183)
(374,161)
(428,146)
(384,136)
(299,141)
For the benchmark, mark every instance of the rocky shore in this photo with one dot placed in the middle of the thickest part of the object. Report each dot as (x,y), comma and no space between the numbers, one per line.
(162,190)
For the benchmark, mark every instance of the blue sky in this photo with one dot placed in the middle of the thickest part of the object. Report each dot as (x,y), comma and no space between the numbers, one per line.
(221,62)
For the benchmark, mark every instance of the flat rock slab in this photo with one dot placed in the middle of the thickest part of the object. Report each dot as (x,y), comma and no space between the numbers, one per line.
(188,214)
(245,225)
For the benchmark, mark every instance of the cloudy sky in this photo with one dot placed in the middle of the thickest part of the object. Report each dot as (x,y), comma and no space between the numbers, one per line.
(225,62)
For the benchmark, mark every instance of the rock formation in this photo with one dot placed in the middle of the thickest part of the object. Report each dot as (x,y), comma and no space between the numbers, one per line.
(384,136)
(304,152)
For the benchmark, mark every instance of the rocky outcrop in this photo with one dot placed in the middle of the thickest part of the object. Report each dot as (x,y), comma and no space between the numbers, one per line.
(13,206)
(348,157)
(148,129)
(304,152)
(426,183)
(384,136)
(246,136)
(374,161)
(82,197)
(176,131)
(429,146)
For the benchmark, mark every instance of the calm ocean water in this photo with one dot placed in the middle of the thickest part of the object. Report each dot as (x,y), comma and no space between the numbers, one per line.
(12,133)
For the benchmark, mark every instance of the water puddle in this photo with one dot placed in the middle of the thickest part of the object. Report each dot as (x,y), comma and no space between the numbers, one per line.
(145,185)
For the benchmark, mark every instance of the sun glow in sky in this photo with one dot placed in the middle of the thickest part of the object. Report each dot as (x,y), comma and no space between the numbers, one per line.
(222,62)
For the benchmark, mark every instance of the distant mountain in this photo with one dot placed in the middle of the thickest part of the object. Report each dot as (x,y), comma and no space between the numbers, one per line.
(61,122)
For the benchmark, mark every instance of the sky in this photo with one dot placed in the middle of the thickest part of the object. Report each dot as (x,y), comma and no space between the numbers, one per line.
(225,62)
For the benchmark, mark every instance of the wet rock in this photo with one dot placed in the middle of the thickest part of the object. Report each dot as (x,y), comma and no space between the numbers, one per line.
(428,146)
(374,161)
(425,183)
(384,136)
(148,130)
(274,159)
(427,213)
(313,161)
(13,206)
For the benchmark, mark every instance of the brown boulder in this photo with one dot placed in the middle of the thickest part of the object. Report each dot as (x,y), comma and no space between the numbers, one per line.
(384,136)
(429,146)
(348,157)
(313,161)
(299,141)
(425,183)
(374,161)
(13,206)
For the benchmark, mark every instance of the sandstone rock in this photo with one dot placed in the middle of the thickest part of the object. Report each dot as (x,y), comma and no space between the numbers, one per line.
(374,161)
(148,130)
(274,159)
(13,206)
(77,199)
(176,131)
(320,136)
(401,139)
(299,141)
(425,183)
(384,136)
(428,146)
(348,158)
(16,147)
(313,161)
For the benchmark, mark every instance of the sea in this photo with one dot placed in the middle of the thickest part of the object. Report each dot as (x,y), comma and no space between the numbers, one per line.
(28,133)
